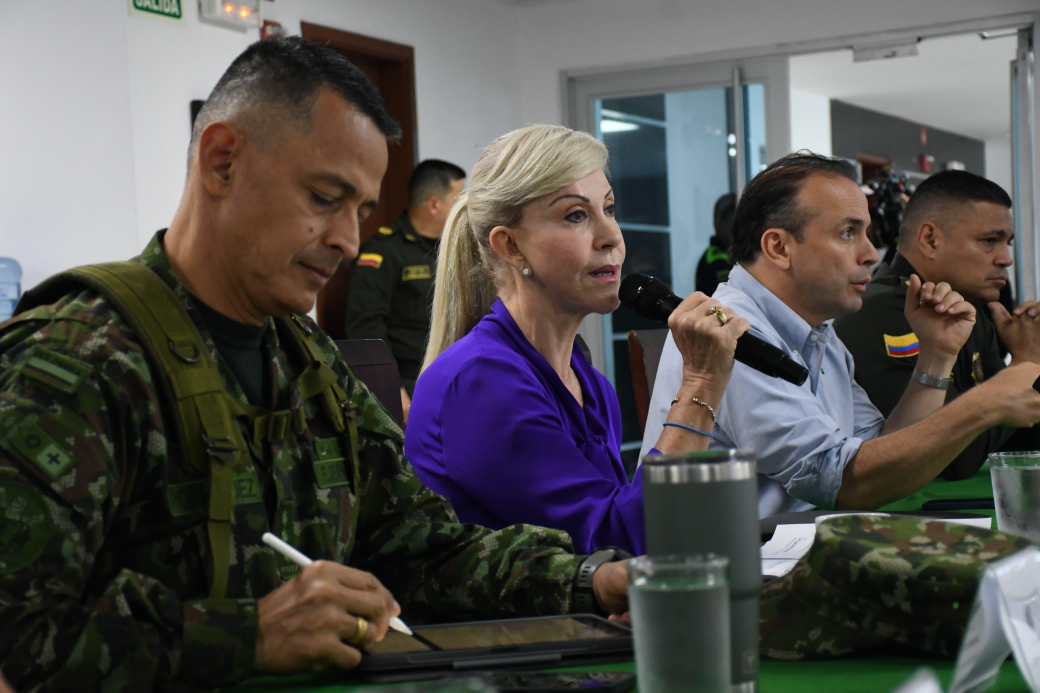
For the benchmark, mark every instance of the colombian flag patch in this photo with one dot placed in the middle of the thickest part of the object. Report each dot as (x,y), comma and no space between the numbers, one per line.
(902,346)
(370,260)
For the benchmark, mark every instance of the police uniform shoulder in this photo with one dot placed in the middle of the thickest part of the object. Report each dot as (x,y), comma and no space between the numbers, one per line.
(379,240)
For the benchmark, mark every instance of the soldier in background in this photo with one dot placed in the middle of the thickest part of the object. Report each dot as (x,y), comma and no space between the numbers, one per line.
(957,228)
(108,579)
(391,286)
(714,266)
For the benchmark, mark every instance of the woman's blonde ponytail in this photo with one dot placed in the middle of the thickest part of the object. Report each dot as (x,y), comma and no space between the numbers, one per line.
(518,167)
(464,293)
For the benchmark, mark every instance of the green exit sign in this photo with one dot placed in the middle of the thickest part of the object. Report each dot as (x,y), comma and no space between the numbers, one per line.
(163,10)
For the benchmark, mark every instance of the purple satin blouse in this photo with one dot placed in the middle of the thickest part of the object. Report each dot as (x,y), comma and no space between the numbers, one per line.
(494,430)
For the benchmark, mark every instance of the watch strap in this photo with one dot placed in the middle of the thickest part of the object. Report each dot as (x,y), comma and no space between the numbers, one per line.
(584,600)
(931,380)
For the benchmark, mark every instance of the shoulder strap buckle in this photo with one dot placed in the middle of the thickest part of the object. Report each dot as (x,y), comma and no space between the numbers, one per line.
(224,449)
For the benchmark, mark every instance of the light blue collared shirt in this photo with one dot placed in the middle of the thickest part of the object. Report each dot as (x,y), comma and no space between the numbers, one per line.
(803,436)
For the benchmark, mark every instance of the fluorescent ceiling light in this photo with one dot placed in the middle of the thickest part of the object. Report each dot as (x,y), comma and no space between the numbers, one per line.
(607,125)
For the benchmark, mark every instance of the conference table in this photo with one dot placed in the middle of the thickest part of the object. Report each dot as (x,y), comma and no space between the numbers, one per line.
(856,674)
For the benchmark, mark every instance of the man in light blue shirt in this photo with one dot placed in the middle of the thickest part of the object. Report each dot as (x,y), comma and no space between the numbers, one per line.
(803,259)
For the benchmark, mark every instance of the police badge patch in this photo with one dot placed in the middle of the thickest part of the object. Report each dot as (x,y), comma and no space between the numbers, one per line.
(977,373)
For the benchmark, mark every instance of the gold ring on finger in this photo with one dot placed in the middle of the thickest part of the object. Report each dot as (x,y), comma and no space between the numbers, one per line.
(359,635)
(717,312)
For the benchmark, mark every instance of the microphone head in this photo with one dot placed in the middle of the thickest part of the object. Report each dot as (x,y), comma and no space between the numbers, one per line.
(643,294)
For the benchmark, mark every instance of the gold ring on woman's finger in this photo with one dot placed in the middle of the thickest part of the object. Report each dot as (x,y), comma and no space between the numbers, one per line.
(359,635)
(717,312)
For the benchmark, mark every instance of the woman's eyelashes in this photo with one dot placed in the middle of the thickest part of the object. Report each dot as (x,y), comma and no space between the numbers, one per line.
(577,216)
(580,215)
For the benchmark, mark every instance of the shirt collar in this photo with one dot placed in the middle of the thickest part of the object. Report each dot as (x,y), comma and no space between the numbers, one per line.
(794,330)
(902,267)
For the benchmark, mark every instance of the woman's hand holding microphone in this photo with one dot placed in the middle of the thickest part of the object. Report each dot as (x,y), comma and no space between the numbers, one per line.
(706,334)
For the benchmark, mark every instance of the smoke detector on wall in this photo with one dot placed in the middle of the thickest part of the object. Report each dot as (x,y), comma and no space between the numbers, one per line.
(236,14)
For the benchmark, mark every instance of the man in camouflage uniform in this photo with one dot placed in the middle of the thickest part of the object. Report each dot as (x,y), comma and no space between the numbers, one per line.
(957,228)
(105,564)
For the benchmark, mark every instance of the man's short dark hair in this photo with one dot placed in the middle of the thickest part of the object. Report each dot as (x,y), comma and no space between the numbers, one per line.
(943,190)
(770,200)
(276,82)
(431,177)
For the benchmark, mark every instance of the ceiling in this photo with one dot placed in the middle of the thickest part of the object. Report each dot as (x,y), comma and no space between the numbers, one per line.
(957,83)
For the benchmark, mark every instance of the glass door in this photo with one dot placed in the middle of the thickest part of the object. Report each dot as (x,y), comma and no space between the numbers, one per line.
(1023,156)
(674,153)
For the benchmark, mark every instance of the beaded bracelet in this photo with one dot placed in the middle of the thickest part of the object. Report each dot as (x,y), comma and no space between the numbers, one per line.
(707,406)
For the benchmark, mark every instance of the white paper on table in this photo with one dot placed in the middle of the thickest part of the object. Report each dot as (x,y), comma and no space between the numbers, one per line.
(790,541)
(788,544)
(1004,618)
(924,680)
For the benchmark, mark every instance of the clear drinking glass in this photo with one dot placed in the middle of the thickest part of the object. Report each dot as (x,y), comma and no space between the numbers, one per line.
(680,621)
(1016,492)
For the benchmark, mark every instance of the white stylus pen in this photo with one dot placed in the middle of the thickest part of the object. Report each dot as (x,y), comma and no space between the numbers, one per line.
(299,559)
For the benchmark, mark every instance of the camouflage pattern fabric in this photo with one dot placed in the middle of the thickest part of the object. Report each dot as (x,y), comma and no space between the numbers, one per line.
(104,555)
(870,580)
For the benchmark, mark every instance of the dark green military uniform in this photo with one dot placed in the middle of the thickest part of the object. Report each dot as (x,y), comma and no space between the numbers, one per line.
(882,345)
(713,268)
(105,561)
(391,293)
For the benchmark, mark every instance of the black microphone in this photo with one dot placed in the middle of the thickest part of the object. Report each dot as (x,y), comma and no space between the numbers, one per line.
(651,298)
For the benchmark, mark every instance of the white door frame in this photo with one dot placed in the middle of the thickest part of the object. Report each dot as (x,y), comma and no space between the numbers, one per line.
(769,64)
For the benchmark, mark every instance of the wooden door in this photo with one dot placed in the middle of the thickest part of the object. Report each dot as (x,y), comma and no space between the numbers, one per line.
(391,67)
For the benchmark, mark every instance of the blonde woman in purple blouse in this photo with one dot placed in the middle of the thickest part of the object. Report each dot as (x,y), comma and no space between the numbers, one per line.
(509,421)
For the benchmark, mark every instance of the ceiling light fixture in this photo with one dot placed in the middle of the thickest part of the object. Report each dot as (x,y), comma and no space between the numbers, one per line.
(607,125)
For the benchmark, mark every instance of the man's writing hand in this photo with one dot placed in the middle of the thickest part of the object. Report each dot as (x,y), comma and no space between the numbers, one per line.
(303,624)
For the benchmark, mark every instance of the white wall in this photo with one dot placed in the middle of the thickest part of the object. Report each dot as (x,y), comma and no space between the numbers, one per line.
(94,121)
(465,63)
(810,122)
(998,162)
(66,150)
(575,34)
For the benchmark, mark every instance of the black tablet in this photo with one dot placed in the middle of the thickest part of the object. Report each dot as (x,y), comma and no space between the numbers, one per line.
(542,640)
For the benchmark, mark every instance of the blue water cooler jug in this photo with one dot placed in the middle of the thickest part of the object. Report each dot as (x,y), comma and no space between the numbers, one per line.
(10,286)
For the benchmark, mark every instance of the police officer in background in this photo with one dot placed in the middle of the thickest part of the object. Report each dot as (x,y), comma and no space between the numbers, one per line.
(957,228)
(391,286)
(714,266)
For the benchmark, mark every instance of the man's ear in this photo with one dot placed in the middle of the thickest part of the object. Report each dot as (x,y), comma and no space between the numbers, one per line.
(928,239)
(775,247)
(433,203)
(219,147)
(504,244)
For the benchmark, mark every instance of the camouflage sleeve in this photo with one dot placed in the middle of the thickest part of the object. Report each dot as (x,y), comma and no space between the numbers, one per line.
(442,570)
(436,567)
(76,411)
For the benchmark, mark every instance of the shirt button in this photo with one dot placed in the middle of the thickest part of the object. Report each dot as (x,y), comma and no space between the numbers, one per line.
(794,352)
(812,337)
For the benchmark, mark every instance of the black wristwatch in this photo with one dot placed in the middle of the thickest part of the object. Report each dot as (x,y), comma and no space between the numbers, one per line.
(584,597)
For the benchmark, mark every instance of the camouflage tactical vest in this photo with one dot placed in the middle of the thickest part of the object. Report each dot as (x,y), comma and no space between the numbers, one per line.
(203,412)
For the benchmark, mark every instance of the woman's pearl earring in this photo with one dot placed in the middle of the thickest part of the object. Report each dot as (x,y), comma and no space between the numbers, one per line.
(527,271)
